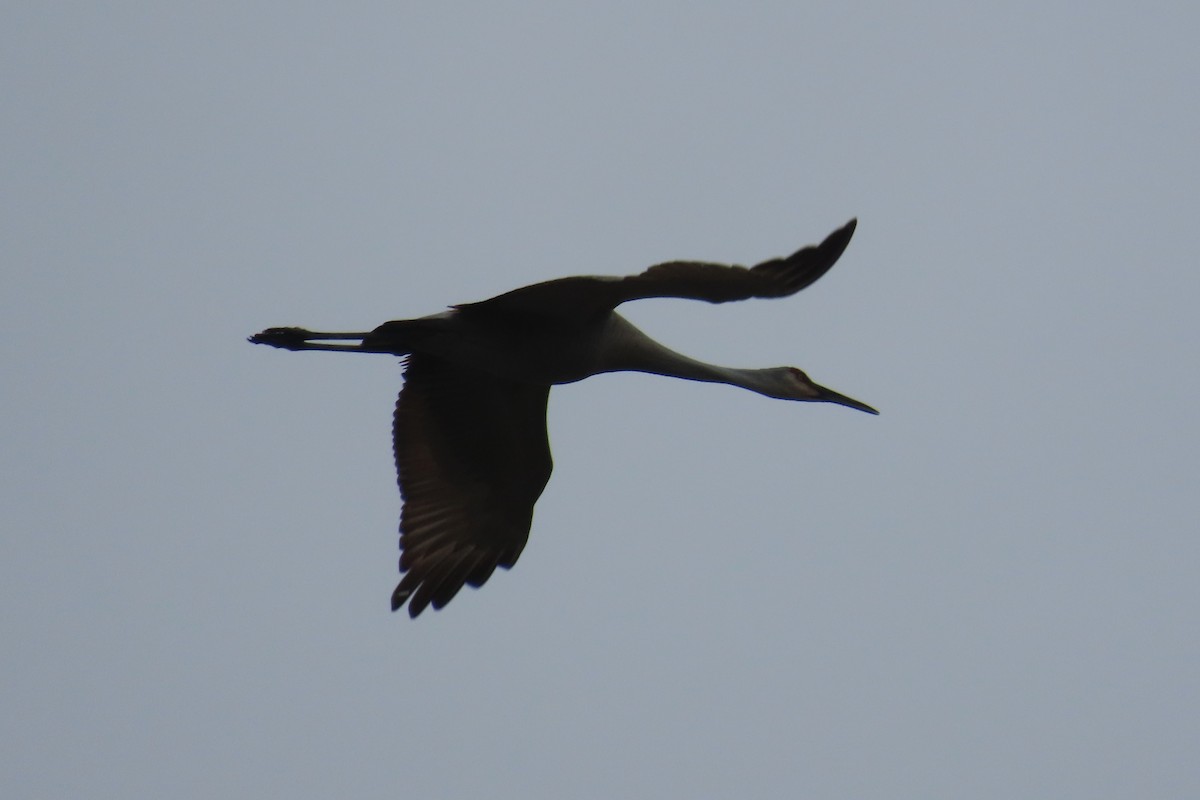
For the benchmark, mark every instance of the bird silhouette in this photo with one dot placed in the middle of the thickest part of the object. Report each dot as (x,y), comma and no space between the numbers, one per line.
(469,429)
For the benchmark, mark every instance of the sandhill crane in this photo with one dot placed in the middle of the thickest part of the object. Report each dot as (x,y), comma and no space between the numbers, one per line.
(469,429)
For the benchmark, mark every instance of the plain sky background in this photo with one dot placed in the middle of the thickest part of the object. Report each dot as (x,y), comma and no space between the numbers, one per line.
(990,591)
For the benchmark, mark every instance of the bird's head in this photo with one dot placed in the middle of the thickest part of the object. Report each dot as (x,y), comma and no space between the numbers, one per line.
(795,385)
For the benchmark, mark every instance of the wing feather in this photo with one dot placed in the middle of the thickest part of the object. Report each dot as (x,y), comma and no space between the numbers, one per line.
(719,283)
(472,458)
(581,298)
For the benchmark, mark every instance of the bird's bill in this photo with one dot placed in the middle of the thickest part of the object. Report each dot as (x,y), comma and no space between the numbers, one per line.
(830,396)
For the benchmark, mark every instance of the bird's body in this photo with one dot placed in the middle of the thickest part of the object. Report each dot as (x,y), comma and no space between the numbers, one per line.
(472,455)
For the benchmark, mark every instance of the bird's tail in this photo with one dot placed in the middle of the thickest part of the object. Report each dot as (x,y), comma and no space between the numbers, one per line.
(403,336)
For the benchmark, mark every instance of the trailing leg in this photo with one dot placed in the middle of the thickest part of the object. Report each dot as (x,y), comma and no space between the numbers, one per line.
(303,339)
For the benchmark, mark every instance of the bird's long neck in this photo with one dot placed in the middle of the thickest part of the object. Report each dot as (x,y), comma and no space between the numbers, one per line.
(624,348)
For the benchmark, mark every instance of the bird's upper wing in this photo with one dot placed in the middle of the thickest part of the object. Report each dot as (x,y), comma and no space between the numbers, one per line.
(718,283)
(580,297)
(472,457)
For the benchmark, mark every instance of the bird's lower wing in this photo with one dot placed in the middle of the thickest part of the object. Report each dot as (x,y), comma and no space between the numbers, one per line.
(472,458)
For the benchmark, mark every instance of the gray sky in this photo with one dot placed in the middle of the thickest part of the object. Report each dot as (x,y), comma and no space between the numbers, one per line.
(989,591)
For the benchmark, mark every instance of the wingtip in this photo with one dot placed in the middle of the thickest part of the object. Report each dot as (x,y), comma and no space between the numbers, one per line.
(398,599)
(402,595)
(831,249)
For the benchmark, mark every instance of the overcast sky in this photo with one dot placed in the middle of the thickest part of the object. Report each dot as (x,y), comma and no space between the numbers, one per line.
(989,591)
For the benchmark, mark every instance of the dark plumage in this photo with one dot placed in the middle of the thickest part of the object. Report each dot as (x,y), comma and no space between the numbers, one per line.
(469,432)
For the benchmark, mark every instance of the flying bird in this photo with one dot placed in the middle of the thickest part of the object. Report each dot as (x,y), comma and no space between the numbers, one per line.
(469,429)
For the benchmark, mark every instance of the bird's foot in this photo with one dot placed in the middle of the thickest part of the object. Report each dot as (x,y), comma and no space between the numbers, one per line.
(287,338)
